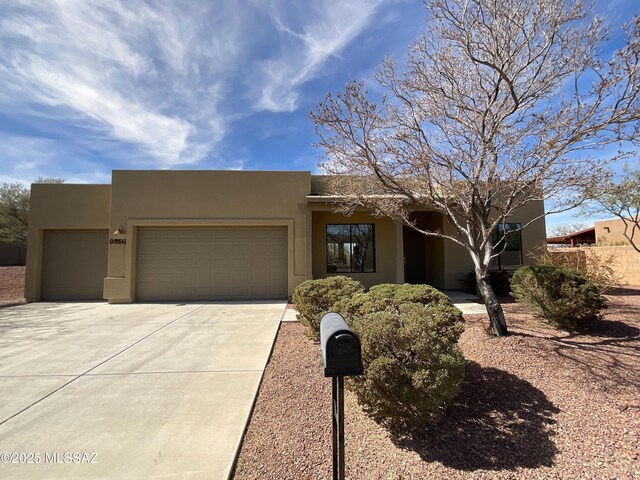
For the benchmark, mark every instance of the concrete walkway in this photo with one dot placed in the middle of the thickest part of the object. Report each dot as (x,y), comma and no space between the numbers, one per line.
(468,303)
(97,391)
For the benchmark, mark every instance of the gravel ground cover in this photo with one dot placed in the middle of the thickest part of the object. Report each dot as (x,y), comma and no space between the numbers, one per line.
(11,285)
(538,404)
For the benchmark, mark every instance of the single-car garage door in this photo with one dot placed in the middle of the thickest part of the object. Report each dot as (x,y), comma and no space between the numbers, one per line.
(216,263)
(74,264)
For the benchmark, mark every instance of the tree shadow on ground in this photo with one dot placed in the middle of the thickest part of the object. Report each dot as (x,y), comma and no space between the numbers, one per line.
(608,351)
(498,422)
(611,331)
(622,291)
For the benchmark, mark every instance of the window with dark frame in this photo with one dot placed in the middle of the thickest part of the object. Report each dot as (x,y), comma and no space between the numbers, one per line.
(507,239)
(351,248)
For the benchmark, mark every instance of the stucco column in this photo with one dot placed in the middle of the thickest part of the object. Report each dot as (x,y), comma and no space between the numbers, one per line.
(33,276)
(399,253)
(308,244)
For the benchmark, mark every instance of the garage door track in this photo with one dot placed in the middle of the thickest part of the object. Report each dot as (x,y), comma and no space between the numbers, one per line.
(96,391)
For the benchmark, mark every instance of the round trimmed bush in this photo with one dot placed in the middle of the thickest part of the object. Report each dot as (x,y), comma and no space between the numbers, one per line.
(564,297)
(413,364)
(314,298)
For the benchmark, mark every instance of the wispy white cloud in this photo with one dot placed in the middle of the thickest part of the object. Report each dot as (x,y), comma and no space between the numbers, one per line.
(159,83)
(326,29)
(123,68)
(163,136)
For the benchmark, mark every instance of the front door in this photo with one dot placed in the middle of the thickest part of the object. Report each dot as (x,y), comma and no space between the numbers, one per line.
(415,270)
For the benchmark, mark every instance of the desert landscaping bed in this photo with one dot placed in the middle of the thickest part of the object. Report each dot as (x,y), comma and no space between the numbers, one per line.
(11,286)
(540,403)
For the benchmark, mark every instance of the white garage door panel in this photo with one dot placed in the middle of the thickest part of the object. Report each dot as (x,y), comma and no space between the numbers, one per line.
(216,263)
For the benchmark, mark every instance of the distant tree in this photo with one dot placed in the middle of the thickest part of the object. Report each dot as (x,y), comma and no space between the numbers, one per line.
(621,199)
(14,213)
(48,180)
(490,112)
(14,210)
(567,228)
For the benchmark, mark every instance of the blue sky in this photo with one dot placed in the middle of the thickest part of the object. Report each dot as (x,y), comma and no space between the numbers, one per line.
(87,87)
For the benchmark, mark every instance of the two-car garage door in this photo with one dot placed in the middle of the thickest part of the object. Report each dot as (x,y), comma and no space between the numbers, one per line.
(213,263)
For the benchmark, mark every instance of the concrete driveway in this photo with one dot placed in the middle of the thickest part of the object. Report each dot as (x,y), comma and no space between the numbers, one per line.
(97,391)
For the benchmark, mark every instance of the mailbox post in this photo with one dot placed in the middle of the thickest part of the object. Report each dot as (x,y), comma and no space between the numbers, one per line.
(341,355)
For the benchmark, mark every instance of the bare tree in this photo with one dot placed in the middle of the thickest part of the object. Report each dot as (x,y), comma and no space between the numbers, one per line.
(499,101)
(567,229)
(620,198)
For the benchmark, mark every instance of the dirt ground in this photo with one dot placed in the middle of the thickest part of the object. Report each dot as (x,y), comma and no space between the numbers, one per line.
(11,285)
(537,404)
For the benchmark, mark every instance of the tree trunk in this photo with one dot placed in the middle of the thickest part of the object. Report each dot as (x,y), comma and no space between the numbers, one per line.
(497,322)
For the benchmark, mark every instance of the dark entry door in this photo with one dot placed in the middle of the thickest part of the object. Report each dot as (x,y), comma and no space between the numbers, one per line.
(415,270)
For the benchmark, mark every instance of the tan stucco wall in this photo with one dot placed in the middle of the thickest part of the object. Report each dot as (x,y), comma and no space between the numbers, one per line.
(458,264)
(61,207)
(623,260)
(449,264)
(385,246)
(615,234)
(534,236)
(203,198)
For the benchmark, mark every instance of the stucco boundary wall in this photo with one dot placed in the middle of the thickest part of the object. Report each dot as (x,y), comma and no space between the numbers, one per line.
(625,260)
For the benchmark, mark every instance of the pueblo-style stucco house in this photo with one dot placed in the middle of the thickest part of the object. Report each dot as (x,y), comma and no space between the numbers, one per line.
(228,235)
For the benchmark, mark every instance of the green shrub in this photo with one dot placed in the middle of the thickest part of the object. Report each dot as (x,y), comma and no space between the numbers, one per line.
(314,298)
(413,365)
(386,295)
(564,297)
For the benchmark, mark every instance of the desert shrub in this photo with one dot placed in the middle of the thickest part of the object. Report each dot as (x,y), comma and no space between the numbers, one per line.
(386,295)
(564,297)
(424,294)
(314,298)
(413,364)
(596,266)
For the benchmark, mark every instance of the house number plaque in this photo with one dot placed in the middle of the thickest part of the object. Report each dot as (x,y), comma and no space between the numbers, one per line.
(118,241)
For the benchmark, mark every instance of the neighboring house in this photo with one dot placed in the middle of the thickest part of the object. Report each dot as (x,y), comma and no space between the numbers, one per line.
(603,233)
(226,235)
(611,232)
(576,239)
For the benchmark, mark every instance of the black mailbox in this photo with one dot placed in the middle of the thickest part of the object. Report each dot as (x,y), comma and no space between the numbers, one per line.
(340,346)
